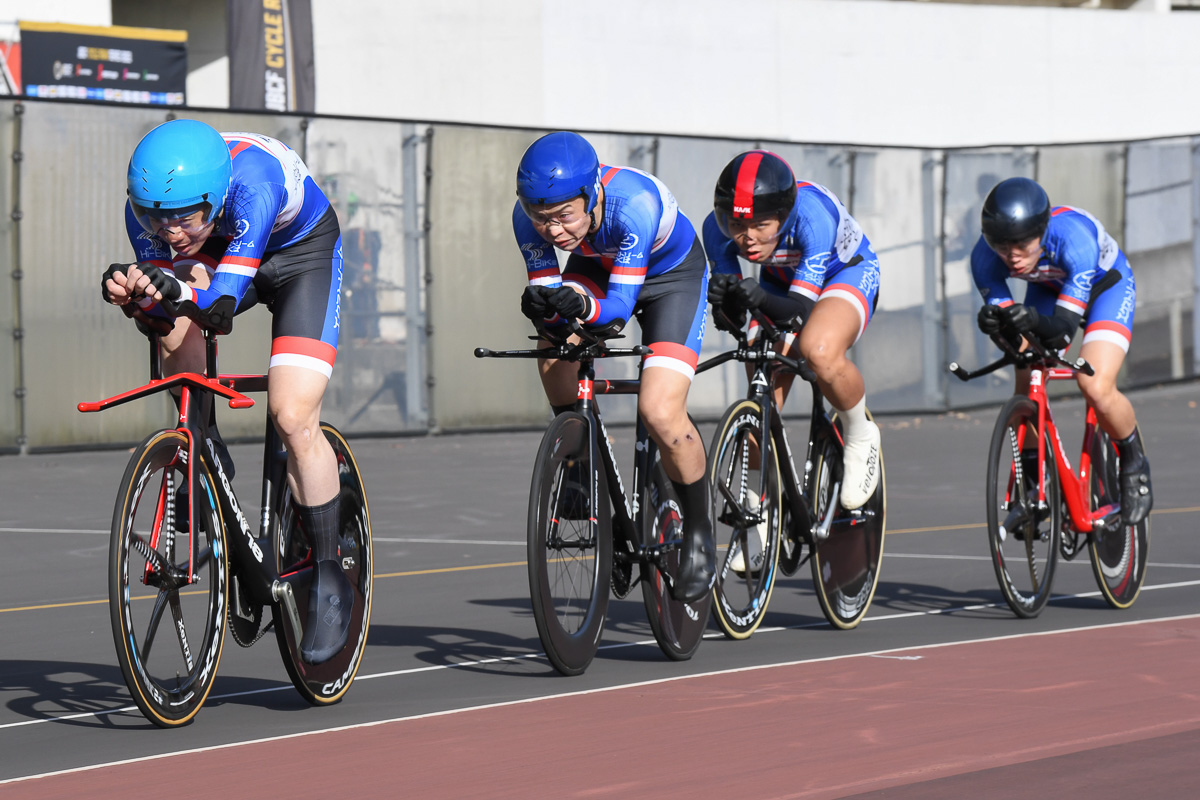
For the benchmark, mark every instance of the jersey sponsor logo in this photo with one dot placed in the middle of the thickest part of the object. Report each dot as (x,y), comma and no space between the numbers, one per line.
(242,227)
(870,279)
(536,253)
(1125,312)
(1083,281)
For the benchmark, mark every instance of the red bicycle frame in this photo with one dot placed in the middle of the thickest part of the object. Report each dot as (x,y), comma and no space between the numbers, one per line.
(1076,488)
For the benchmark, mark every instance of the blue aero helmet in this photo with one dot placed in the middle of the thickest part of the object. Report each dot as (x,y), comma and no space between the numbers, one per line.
(180,167)
(558,167)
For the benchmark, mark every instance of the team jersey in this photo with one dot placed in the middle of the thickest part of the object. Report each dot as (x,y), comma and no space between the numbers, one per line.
(642,234)
(1076,251)
(273,202)
(816,242)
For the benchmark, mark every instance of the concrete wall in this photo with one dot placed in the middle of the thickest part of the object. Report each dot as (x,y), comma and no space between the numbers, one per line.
(864,71)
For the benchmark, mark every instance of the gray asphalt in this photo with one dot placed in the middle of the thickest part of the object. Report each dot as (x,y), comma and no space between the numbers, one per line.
(452,627)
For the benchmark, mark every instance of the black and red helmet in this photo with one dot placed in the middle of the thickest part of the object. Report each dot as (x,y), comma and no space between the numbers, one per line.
(756,184)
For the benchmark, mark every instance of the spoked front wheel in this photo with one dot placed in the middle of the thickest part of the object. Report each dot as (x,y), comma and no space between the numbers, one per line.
(167,589)
(569,544)
(846,561)
(1118,555)
(678,627)
(1023,532)
(746,502)
(327,682)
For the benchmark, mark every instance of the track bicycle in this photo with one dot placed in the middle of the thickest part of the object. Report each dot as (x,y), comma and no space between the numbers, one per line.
(202,564)
(1030,480)
(756,483)
(586,533)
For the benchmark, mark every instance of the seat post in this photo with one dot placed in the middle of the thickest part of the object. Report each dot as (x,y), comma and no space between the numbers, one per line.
(210,353)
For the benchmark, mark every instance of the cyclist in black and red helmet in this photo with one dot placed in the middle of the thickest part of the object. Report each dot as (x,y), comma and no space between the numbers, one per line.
(816,265)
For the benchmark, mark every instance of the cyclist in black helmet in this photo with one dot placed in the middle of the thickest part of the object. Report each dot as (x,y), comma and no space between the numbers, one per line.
(1076,274)
(816,264)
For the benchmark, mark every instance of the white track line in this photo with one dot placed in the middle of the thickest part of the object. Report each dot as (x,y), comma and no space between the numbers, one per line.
(653,643)
(891,653)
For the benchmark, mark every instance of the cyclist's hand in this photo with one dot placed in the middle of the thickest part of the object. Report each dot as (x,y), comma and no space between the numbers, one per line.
(718,286)
(569,303)
(729,319)
(747,294)
(1020,318)
(112,285)
(989,319)
(153,282)
(533,303)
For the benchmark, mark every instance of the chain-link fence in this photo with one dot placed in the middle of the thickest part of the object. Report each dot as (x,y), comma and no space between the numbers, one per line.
(431,269)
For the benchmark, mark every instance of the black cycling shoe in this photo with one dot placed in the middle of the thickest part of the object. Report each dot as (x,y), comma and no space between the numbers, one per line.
(697,566)
(698,553)
(1136,496)
(330,602)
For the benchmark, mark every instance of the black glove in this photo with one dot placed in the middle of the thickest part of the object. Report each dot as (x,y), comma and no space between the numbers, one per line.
(989,319)
(747,294)
(718,286)
(533,303)
(113,269)
(1020,318)
(569,303)
(166,284)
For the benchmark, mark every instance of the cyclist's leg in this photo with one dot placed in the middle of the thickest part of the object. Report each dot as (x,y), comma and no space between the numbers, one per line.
(838,319)
(672,309)
(1105,341)
(303,283)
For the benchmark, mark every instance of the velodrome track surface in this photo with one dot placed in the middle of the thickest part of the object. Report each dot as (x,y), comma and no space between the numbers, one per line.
(941,692)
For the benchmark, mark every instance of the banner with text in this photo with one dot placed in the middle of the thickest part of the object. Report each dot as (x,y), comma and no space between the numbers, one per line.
(114,64)
(271,55)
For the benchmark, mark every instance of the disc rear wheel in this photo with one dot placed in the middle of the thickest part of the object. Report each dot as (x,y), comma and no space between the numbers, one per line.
(1118,555)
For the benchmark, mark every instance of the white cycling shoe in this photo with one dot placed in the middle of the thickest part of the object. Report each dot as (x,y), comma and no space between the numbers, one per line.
(756,544)
(861,468)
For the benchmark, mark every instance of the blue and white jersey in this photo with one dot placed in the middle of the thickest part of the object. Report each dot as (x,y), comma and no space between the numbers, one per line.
(273,202)
(642,234)
(817,240)
(1076,251)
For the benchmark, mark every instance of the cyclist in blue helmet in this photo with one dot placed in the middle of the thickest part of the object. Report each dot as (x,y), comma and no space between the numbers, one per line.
(631,251)
(1076,275)
(246,221)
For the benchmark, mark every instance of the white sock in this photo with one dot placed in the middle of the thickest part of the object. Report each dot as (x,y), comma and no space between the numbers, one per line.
(855,422)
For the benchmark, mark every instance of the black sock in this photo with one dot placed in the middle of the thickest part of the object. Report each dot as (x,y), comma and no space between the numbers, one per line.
(321,524)
(694,499)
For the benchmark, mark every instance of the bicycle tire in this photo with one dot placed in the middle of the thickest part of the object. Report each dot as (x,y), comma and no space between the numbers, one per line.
(845,565)
(678,626)
(168,684)
(1119,556)
(1024,546)
(569,559)
(326,683)
(740,599)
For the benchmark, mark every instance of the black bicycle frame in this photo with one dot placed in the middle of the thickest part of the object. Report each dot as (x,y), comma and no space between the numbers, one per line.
(627,517)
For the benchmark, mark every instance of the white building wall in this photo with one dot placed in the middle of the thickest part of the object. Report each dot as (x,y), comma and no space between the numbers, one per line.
(860,71)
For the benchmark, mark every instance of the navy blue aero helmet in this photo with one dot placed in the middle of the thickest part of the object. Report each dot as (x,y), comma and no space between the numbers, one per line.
(558,167)
(180,167)
(1016,210)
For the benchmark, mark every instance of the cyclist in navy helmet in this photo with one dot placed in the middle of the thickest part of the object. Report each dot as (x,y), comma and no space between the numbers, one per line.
(1075,275)
(246,221)
(815,265)
(631,251)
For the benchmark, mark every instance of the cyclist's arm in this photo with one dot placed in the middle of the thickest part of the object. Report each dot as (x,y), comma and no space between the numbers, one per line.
(780,308)
(148,248)
(990,275)
(721,251)
(254,212)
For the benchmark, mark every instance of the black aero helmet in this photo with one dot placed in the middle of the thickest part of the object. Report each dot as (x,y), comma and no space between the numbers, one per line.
(1016,210)
(756,184)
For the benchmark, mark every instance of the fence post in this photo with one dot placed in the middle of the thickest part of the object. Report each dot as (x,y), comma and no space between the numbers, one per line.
(932,322)
(414,345)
